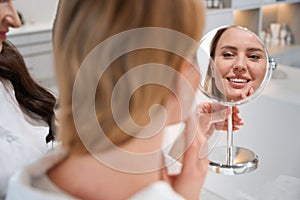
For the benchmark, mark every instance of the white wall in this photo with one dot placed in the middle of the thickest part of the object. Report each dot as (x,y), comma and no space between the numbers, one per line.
(37,11)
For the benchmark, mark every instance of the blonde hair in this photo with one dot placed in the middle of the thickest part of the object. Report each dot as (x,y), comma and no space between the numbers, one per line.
(81,25)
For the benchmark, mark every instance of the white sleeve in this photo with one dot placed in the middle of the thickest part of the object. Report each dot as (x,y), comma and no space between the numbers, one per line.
(20,141)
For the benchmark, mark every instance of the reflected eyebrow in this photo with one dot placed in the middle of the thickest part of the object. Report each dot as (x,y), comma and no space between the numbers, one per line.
(255,49)
(229,47)
(248,49)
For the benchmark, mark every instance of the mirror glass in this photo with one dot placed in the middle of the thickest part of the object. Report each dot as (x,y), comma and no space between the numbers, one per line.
(235,67)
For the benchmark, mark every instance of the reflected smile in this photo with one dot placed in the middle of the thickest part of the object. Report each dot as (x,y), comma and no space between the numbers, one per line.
(238,80)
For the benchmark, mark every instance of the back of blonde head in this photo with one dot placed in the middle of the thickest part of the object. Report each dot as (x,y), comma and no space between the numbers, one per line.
(81,25)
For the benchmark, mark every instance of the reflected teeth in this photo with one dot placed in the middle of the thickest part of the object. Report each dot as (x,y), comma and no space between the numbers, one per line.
(238,80)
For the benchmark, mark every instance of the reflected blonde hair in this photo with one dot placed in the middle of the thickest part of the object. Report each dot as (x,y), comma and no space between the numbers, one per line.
(82,24)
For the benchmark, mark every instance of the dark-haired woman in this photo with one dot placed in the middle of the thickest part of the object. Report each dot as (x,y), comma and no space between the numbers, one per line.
(26,109)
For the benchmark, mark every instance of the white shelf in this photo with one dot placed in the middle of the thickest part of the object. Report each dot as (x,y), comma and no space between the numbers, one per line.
(246,4)
(281,49)
(212,11)
(31,28)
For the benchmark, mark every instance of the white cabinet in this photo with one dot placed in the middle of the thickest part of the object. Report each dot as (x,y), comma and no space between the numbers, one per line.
(35,44)
(216,18)
(238,4)
(292,1)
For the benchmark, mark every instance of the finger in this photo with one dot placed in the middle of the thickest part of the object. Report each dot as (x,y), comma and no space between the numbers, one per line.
(225,128)
(236,117)
(251,91)
(235,109)
(217,106)
(235,129)
(204,108)
(220,115)
(211,113)
(243,96)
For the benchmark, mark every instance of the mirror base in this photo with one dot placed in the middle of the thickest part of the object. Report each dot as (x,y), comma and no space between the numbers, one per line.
(244,161)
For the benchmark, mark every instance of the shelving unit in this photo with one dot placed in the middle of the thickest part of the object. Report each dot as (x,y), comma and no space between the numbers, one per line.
(241,17)
(257,15)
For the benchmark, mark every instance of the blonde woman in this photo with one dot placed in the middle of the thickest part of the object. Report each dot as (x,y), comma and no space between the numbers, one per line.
(125,72)
(241,65)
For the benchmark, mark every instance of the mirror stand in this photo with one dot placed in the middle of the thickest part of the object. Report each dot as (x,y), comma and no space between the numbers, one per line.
(231,160)
(230,68)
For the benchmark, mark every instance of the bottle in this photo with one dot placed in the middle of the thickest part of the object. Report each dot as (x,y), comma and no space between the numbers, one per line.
(262,35)
(216,3)
(268,38)
(289,38)
(221,4)
(209,3)
(283,34)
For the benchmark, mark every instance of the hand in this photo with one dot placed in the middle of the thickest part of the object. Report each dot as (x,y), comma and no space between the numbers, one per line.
(199,127)
(236,120)
(250,92)
(193,172)
(213,116)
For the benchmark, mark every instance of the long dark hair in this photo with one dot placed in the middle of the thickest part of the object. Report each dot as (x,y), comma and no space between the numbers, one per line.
(33,99)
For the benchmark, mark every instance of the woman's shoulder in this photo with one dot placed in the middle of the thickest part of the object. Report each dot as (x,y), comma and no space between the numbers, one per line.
(32,183)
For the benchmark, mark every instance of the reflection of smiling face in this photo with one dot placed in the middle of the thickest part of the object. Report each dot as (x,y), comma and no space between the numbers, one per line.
(241,61)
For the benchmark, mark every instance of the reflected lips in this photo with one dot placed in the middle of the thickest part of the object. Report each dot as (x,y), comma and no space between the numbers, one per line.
(238,83)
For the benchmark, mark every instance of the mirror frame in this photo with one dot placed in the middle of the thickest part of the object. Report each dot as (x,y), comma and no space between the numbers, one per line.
(270,66)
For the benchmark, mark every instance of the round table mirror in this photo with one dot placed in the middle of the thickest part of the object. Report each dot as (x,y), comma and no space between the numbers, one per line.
(235,67)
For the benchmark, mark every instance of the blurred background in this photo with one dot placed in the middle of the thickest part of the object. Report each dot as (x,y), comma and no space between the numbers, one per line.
(271,121)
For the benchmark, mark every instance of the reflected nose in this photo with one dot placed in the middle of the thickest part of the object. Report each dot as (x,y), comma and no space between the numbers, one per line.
(240,67)
(11,17)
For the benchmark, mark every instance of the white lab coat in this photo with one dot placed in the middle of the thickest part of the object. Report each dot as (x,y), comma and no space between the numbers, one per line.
(22,139)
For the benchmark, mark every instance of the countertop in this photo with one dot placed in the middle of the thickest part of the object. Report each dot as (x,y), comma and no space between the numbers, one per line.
(31,28)
(284,85)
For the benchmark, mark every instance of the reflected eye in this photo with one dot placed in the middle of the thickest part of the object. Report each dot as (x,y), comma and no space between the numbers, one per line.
(228,55)
(254,57)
